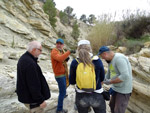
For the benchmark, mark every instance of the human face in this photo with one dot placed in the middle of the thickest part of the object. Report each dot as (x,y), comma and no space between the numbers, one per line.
(38,51)
(104,55)
(59,46)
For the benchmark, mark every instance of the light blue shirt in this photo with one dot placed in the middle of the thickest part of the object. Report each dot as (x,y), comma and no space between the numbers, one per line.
(120,67)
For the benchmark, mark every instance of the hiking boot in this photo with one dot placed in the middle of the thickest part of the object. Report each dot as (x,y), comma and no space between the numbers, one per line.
(63,111)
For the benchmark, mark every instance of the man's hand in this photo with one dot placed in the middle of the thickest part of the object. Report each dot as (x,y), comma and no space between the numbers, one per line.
(72,51)
(107,81)
(43,105)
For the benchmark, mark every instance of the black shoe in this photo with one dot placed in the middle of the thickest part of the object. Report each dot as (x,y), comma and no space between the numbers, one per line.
(63,111)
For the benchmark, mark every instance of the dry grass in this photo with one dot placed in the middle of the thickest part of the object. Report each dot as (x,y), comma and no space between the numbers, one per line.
(102,34)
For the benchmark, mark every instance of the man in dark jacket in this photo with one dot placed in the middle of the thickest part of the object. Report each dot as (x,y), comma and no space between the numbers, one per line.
(32,88)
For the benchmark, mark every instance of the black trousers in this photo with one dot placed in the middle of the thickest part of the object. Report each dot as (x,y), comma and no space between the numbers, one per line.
(94,100)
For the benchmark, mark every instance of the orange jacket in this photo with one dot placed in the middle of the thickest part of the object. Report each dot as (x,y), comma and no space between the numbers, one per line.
(57,60)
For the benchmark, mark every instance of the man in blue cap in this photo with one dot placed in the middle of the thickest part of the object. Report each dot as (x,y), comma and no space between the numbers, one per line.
(119,75)
(60,41)
(59,60)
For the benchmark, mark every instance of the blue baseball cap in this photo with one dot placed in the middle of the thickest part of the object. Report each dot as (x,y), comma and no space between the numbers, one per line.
(103,49)
(60,40)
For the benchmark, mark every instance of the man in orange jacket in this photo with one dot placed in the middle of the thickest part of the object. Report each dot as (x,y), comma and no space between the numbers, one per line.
(59,65)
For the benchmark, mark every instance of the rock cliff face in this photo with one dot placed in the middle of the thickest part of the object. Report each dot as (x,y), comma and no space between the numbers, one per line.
(139,103)
(24,20)
(20,22)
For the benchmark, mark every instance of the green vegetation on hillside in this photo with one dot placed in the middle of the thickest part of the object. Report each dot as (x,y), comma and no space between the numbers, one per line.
(63,18)
(68,18)
(49,8)
(76,32)
(131,32)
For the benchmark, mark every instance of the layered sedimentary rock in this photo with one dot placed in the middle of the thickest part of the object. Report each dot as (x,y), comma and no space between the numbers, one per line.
(139,102)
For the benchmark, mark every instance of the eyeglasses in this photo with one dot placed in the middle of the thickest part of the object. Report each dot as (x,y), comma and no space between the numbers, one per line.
(39,49)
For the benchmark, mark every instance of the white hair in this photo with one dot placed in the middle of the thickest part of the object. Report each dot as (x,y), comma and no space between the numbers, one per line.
(32,45)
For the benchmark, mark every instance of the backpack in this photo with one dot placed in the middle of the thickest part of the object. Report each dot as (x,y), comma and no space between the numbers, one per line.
(85,77)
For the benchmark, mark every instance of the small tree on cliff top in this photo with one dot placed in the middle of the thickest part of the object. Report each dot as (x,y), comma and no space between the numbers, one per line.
(49,8)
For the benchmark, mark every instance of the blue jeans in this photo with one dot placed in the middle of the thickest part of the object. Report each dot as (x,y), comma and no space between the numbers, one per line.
(62,92)
(94,100)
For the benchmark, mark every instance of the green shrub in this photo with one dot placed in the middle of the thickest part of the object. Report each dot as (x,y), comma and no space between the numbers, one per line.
(83,18)
(76,32)
(145,37)
(91,19)
(69,11)
(49,8)
(63,18)
(133,46)
(135,25)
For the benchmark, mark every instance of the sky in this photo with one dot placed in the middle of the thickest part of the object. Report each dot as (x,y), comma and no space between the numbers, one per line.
(99,7)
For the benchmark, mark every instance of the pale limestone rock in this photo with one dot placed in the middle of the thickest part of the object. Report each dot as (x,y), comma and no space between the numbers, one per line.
(84,30)
(64,30)
(22,46)
(121,49)
(49,43)
(147,44)
(1,55)
(145,52)
(141,84)
(141,88)
(40,25)
(52,102)
(144,64)
(28,3)
(12,24)
(139,103)
(12,75)
(12,106)
(43,57)
(133,61)
(61,27)
(54,87)
(2,42)
(7,86)
(111,47)
(141,74)
(14,55)
(31,36)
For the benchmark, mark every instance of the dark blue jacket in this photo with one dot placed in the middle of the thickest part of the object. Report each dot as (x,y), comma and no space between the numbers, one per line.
(99,71)
(31,84)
